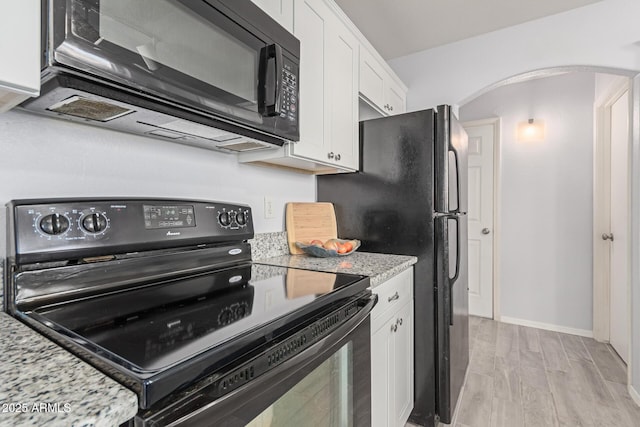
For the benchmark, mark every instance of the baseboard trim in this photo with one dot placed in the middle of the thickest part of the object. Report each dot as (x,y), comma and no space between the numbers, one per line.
(547,326)
(634,394)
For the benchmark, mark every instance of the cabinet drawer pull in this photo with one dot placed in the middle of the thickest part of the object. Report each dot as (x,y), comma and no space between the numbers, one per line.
(330,155)
(394,327)
(399,321)
(337,156)
(394,297)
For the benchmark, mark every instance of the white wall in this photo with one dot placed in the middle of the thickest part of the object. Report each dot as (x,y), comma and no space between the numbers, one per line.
(43,157)
(604,34)
(547,203)
(605,85)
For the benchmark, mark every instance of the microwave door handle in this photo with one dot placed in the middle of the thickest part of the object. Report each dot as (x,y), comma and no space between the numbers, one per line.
(273,51)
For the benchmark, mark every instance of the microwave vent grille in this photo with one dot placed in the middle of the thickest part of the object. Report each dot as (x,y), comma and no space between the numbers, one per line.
(91,109)
(244,146)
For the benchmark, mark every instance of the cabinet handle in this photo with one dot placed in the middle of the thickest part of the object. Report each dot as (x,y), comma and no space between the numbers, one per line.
(330,155)
(391,107)
(399,321)
(394,327)
(394,297)
(337,156)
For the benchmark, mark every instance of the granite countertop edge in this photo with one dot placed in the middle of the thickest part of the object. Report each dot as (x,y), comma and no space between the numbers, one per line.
(379,267)
(43,384)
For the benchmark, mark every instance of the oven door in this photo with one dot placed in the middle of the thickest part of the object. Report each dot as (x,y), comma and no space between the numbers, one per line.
(328,384)
(227,59)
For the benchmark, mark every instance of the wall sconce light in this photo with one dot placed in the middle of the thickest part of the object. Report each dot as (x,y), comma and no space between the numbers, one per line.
(531,131)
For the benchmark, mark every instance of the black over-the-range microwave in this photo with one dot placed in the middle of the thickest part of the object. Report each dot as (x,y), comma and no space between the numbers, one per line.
(213,73)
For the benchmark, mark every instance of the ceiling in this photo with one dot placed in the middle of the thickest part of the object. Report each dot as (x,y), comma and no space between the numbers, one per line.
(401,27)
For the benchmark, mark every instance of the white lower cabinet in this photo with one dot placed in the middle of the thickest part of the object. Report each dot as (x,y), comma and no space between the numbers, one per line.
(392,352)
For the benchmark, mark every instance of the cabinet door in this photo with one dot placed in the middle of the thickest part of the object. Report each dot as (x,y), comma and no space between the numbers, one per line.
(378,87)
(402,366)
(20,52)
(371,83)
(342,70)
(392,352)
(395,98)
(280,10)
(311,25)
(381,353)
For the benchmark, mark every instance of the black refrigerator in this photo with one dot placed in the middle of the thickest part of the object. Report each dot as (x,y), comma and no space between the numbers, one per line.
(410,198)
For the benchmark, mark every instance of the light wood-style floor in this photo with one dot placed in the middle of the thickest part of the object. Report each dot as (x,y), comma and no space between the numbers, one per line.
(526,377)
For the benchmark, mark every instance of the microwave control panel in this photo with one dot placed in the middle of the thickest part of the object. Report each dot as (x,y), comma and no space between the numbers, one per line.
(289,93)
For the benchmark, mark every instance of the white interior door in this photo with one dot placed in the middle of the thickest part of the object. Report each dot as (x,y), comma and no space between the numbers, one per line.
(481,145)
(619,322)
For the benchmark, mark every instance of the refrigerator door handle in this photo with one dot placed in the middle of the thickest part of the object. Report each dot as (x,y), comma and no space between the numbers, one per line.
(452,280)
(456,158)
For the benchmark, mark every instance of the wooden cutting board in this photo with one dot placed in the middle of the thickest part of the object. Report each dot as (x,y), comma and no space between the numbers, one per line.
(310,221)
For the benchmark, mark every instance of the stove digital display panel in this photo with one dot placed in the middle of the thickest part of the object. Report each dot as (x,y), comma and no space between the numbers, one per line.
(163,216)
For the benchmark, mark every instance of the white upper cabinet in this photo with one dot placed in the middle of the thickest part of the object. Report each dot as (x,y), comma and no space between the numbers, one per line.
(372,78)
(328,87)
(337,68)
(328,97)
(378,87)
(280,10)
(342,69)
(20,52)
(312,26)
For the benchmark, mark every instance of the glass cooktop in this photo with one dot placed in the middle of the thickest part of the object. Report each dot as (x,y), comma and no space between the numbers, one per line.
(156,326)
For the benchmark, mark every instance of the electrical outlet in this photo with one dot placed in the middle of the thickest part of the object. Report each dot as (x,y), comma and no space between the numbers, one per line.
(268,208)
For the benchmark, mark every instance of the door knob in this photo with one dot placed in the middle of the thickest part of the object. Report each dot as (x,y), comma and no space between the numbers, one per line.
(606,236)
(486,231)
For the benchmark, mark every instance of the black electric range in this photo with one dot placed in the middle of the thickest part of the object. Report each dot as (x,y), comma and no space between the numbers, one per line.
(162,296)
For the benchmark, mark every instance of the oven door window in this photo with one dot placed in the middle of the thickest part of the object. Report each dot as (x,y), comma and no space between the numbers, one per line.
(328,384)
(193,54)
(322,398)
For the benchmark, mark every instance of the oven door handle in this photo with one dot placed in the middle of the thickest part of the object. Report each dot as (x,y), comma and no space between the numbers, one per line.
(317,348)
(231,402)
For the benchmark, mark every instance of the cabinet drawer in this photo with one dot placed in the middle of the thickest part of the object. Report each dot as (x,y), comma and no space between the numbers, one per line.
(393,294)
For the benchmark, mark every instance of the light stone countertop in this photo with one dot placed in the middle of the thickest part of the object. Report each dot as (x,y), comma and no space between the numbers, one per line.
(379,267)
(37,374)
(53,386)
(272,249)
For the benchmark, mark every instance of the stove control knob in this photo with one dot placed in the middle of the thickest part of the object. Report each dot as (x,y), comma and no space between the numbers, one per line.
(224,218)
(94,223)
(241,218)
(54,224)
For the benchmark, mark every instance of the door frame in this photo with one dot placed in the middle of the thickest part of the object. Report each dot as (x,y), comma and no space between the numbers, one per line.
(496,122)
(602,210)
